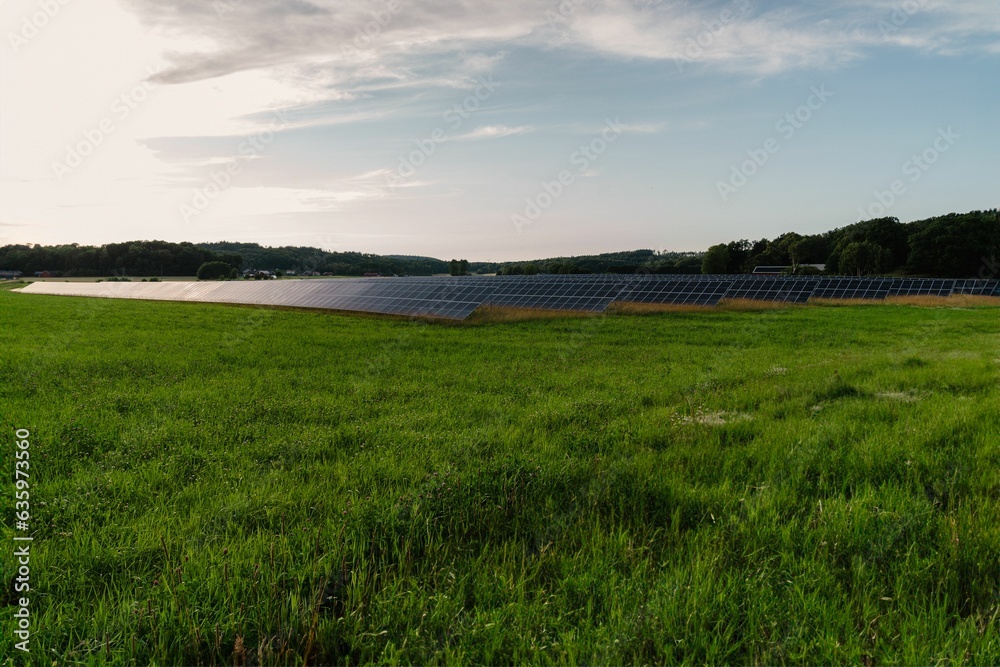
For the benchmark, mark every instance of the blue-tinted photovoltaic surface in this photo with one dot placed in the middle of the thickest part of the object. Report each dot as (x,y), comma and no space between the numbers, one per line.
(550,293)
(921,287)
(444,298)
(458,297)
(976,287)
(675,292)
(852,288)
(772,289)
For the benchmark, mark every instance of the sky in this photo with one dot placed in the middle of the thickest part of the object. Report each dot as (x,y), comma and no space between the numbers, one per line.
(491,130)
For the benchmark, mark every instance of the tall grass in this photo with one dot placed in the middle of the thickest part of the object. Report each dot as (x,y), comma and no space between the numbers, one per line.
(247,486)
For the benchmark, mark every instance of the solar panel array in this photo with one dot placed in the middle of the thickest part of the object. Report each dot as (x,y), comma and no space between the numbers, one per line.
(675,292)
(547,294)
(772,289)
(916,287)
(852,288)
(457,298)
(977,287)
(447,299)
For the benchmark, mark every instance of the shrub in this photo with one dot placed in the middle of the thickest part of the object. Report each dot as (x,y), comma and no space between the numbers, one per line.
(216,271)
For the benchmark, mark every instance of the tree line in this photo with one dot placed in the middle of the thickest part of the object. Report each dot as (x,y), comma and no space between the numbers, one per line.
(949,246)
(161,258)
(299,259)
(134,258)
(957,245)
(632,261)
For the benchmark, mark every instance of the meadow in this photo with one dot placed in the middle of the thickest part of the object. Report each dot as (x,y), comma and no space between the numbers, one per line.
(230,485)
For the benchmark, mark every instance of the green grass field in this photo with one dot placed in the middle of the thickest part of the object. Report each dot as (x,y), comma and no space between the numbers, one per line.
(228,485)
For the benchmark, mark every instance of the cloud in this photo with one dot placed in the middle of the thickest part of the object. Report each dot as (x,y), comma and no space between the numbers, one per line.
(761,43)
(643,128)
(358,42)
(336,193)
(347,62)
(353,40)
(494,132)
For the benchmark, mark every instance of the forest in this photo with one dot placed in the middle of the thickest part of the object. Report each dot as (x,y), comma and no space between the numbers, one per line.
(133,258)
(160,258)
(949,246)
(957,245)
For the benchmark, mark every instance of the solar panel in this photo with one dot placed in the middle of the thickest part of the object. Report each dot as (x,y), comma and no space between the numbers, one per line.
(772,289)
(374,296)
(548,294)
(976,287)
(921,287)
(852,288)
(457,297)
(674,292)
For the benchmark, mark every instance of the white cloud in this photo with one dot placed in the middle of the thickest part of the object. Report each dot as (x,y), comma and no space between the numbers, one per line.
(364,39)
(643,128)
(494,132)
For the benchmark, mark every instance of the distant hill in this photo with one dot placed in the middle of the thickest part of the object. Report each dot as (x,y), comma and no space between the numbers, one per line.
(413,258)
(299,258)
(132,258)
(629,261)
(965,245)
(957,245)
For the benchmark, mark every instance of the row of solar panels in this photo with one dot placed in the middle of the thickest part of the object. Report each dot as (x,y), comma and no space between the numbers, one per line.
(457,298)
